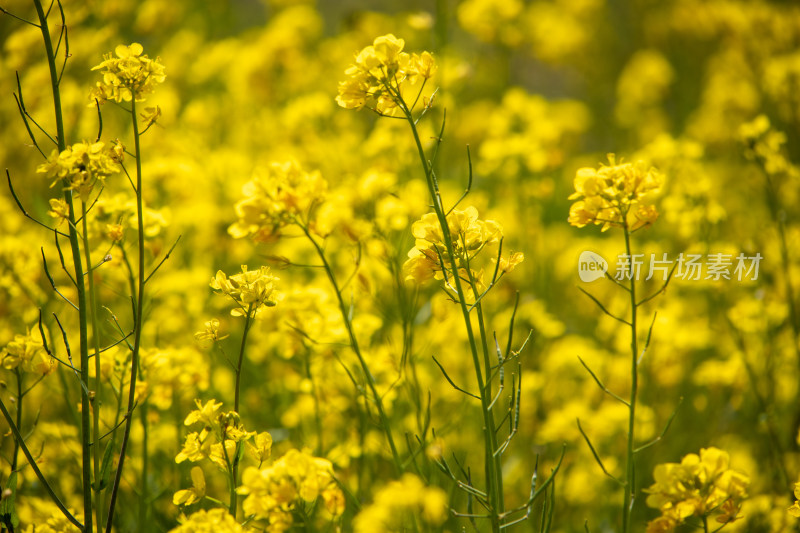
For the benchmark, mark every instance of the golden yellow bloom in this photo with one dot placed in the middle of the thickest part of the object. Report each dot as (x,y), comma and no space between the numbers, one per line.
(80,167)
(217,441)
(469,236)
(794,510)
(700,485)
(618,195)
(274,198)
(377,77)
(210,335)
(397,502)
(59,210)
(194,494)
(27,353)
(251,289)
(213,521)
(274,491)
(262,448)
(130,75)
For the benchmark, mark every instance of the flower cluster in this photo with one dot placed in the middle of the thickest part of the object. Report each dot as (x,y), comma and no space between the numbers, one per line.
(399,501)
(251,289)
(212,521)
(794,510)
(219,438)
(764,144)
(79,167)
(377,77)
(27,353)
(617,195)
(468,234)
(130,75)
(275,198)
(697,486)
(273,492)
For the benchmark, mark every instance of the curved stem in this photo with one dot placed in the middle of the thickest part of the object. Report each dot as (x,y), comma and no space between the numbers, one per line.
(137,337)
(86,460)
(490,465)
(356,349)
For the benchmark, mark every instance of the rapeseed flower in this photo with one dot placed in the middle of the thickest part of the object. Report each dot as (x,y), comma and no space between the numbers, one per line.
(398,501)
(251,289)
(276,197)
(617,195)
(27,353)
(700,485)
(129,75)
(212,521)
(380,71)
(79,168)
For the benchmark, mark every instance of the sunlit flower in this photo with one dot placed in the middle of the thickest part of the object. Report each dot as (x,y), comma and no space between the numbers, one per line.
(700,485)
(401,501)
(276,197)
(617,195)
(80,167)
(194,494)
(27,353)
(377,77)
(251,289)
(212,521)
(210,335)
(129,75)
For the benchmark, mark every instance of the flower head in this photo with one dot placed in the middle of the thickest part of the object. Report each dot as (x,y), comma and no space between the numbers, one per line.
(379,73)
(700,485)
(276,197)
(129,75)
(251,289)
(617,195)
(469,236)
(79,167)
(27,353)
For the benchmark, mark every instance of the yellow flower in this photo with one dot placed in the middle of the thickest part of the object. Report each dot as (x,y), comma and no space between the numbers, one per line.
(469,236)
(79,167)
(379,74)
(194,494)
(251,289)
(130,75)
(27,353)
(697,486)
(213,521)
(276,197)
(210,335)
(59,210)
(399,501)
(262,448)
(618,195)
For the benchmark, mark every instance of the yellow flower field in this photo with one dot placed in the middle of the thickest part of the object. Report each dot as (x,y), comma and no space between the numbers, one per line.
(463,265)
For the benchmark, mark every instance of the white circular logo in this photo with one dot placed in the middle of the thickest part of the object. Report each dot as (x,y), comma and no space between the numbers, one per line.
(591,266)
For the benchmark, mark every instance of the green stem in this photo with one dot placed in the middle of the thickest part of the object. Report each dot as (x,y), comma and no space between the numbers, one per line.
(247,323)
(97,372)
(86,459)
(490,465)
(144,501)
(235,466)
(629,489)
(137,336)
(356,349)
(15,457)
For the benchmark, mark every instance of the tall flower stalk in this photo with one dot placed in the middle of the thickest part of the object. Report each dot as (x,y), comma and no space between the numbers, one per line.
(391,83)
(620,195)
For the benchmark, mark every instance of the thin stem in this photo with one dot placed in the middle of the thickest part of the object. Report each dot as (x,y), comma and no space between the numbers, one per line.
(488,418)
(137,337)
(19,418)
(80,286)
(356,349)
(247,323)
(97,370)
(629,489)
(31,461)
